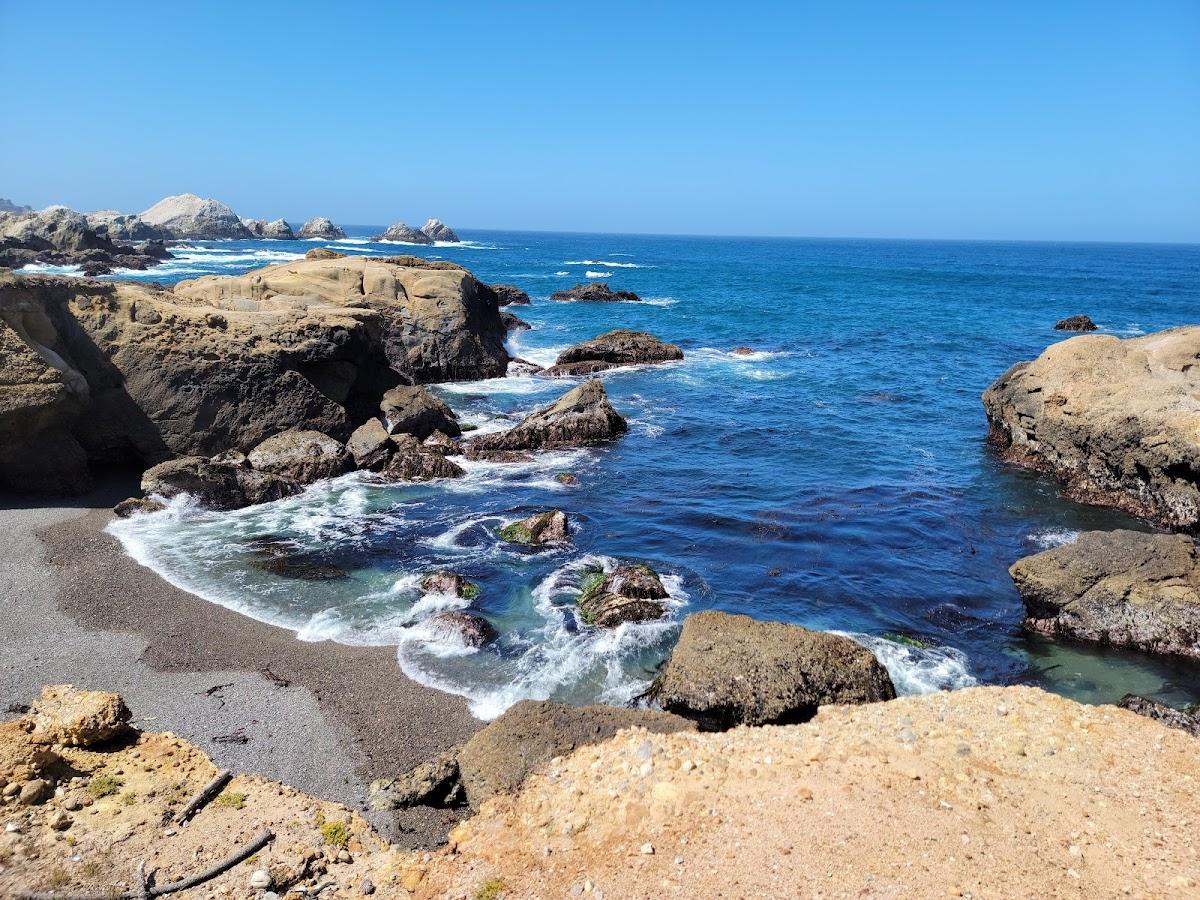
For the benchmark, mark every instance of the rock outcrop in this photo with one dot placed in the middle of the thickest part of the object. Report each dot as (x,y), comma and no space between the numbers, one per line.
(514,323)
(632,592)
(411,409)
(469,629)
(8,206)
(579,417)
(60,236)
(437,230)
(404,234)
(301,456)
(732,670)
(370,445)
(1116,421)
(117,226)
(1184,720)
(450,583)
(1117,588)
(217,482)
(1075,323)
(596,291)
(413,461)
(436,321)
(620,347)
(510,295)
(321,228)
(278,230)
(548,527)
(188,217)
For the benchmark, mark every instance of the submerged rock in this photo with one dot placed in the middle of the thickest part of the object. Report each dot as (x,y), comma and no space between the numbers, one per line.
(620,347)
(743,351)
(411,409)
(471,629)
(531,733)
(320,227)
(732,670)
(1117,588)
(370,445)
(596,291)
(412,461)
(285,558)
(188,217)
(633,592)
(1160,712)
(1075,323)
(405,234)
(300,456)
(579,417)
(510,295)
(548,527)
(437,230)
(1116,421)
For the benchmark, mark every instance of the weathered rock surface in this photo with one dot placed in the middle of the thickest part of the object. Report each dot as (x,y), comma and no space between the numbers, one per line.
(370,445)
(435,783)
(451,583)
(436,321)
(320,227)
(216,483)
(278,230)
(1160,712)
(1118,588)
(404,234)
(132,506)
(303,456)
(60,236)
(514,323)
(1116,421)
(188,217)
(117,226)
(579,417)
(469,628)
(412,461)
(732,670)
(510,295)
(531,733)
(1075,323)
(632,592)
(64,714)
(596,291)
(437,230)
(620,347)
(411,409)
(548,527)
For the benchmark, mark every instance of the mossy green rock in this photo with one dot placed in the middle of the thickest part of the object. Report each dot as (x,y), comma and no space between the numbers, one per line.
(630,593)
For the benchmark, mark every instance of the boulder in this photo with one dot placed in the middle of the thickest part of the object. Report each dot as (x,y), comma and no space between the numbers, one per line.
(414,462)
(1117,588)
(190,218)
(216,484)
(437,230)
(510,295)
(435,320)
(433,783)
(411,409)
(322,229)
(323,253)
(370,445)
(55,227)
(530,734)
(470,629)
(548,527)
(1075,323)
(22,757)
(64,714)
(451,583)
(1169,716)
(133,506)
(1116,421)
(596,291)
(518,367)
(620,347)
(732,670)
(743,351)
(440,442)
(404,234)
(579,417)
(300,456)
(633,592)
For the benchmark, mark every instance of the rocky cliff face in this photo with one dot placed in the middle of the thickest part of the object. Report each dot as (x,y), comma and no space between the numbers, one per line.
(189,217)
(1116,421)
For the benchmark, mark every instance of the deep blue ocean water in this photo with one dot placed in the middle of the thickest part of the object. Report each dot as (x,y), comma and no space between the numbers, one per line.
(837,478)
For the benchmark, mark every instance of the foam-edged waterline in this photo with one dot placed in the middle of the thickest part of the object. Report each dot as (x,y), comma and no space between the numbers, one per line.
(918,670)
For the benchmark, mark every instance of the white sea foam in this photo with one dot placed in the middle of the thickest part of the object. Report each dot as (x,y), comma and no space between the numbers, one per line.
(659,301)
(47,269)
(562,273)
(918,670)
(604,262)
(590,273)
(1047,538)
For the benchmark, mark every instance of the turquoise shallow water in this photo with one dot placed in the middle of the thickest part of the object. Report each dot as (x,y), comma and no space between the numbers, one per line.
(838,477)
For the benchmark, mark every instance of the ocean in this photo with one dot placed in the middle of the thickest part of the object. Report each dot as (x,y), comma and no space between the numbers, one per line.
(837,477)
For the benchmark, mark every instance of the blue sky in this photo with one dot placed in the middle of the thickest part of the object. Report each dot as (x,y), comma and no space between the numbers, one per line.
(1007,120)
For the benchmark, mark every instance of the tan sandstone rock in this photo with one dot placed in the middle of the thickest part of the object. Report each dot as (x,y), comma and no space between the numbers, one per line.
(64,714)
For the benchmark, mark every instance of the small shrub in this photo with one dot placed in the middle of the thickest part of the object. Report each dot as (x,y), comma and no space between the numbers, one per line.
(58,877)
(92,869)
(492,889)
(335,834)
(230,800)
(129,798)
(104,786)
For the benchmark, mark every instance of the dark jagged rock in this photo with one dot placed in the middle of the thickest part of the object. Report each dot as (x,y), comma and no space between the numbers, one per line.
(1117,588)
(370,445)
(414,462)
(411,409)
(732,670)
(513,323)
(743,351)
(548,527)
(596,291)
(433,783)
(619,347)
(631,593)
(60,236)
(1075,323)
(580,417)
(135,505)
(405,234)
(1114,420)
(520,366)
(471,629)
(216,484)
(1160,712)
(510,295)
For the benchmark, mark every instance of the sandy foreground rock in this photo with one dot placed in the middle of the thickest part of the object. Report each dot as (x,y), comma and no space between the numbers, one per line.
(1116,421)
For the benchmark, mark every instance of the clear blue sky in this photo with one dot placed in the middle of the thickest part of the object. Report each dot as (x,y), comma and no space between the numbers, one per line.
(1046,120)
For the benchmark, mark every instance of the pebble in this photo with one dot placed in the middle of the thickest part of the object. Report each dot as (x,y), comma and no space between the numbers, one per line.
(12,828)
(12,789)
(260,879)
(906,736)
(367,887)
(71,804)
(647,849)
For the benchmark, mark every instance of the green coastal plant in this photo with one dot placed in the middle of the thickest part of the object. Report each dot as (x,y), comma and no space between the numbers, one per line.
(907,639)
(492,889)
(230,800)
(516,533)
(104,786)
(335,834)
(129,798)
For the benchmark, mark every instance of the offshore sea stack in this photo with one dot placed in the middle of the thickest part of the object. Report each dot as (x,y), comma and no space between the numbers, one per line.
(188,217)
(404,234)
(620,347)
(1118,589)
(595,292)
(1116,421)
(321,228)
(95,373)
(579,417)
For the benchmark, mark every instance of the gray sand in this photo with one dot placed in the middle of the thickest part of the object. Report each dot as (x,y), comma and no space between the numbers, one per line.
(324,717)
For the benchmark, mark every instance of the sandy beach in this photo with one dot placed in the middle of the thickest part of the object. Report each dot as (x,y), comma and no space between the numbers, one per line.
(327,718)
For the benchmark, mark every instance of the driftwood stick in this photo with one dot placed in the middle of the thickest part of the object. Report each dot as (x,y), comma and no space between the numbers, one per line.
(143,886)
(209,791)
